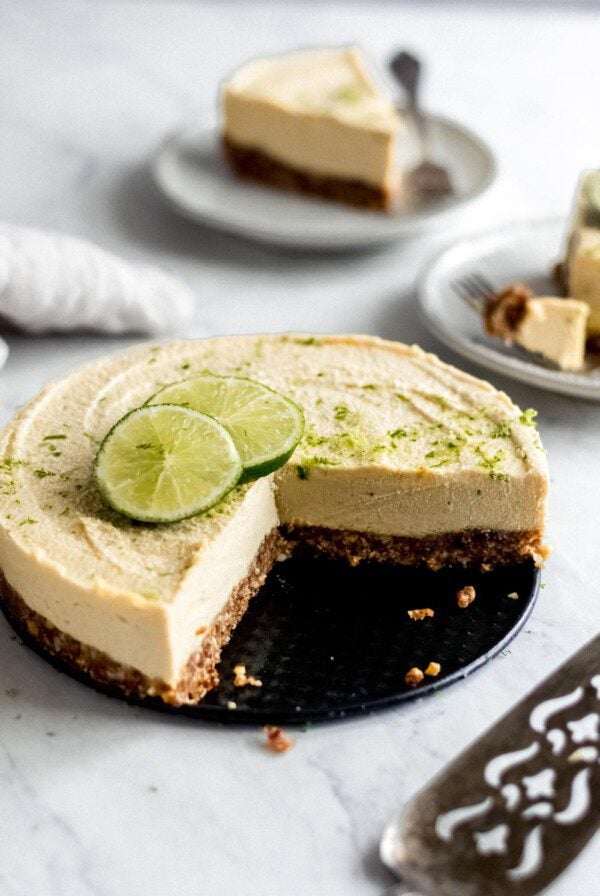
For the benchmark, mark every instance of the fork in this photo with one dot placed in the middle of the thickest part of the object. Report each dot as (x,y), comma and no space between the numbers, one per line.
(475,290)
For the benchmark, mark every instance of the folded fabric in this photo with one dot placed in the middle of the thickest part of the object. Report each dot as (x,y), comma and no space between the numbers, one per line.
(53,282)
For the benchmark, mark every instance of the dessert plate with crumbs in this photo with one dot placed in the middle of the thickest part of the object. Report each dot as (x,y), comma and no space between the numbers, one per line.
(512,254)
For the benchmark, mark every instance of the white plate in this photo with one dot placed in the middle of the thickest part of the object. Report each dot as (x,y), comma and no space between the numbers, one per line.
(523,252)
(189,171)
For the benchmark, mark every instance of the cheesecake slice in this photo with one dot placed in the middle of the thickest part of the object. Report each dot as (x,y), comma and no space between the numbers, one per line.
(582,267)
(552,327)
(404,460)
(316,122)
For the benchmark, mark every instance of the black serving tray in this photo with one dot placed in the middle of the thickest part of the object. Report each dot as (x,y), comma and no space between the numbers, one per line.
(328,640)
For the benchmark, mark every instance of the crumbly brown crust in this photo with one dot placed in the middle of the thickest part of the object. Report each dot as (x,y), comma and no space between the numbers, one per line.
(504,312)
(199,674)
(475,548)
(257,165)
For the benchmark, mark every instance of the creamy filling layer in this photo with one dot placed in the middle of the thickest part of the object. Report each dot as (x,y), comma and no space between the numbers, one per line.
(413,505)
(312,143)
(555,328)
(155,637)
(583,272)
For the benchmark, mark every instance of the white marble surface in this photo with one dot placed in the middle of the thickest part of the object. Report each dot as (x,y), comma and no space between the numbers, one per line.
(98,798)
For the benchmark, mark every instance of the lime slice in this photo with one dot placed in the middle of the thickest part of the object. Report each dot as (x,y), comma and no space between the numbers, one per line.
(265,425)
(162,464)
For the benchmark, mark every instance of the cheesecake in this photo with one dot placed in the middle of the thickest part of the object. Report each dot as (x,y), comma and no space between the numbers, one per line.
(552,327)
(582,265)
(404,460)
(314,121)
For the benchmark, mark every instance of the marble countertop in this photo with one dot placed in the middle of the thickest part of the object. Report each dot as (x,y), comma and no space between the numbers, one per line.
(102,799)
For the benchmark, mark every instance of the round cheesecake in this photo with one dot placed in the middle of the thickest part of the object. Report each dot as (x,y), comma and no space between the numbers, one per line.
(404,460)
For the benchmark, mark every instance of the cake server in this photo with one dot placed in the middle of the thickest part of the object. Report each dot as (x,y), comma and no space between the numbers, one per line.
(511,812)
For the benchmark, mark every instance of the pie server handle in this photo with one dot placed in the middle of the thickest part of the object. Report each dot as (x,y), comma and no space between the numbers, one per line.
(509,814)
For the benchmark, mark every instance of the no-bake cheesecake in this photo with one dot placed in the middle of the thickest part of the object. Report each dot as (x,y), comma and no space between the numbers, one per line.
(404,460)
(313,121)
(582,265)
(552,327)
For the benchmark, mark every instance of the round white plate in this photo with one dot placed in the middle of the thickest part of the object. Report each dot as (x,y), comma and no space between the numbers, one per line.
(517,252)
(190,172)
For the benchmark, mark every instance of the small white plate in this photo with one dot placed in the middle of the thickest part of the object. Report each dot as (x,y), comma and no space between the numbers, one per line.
(517,252)
(190,172)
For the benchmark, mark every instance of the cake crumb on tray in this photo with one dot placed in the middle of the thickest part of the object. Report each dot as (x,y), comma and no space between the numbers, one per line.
(242,679)
(414,677)
(465,596)
(421,614)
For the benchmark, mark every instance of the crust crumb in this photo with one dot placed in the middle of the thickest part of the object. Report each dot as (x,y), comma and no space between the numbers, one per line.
(504,311)
(241,679)
(421,614)
(201,630)
(465,596)
(513,595)
(433,669)
(414,676)
(277,740)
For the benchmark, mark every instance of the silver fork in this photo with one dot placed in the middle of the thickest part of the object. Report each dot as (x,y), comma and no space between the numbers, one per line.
(475,290)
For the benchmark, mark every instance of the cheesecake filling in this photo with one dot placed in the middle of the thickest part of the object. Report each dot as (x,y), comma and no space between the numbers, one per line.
(315,111)
(397,444)
(583,247)
(153,636)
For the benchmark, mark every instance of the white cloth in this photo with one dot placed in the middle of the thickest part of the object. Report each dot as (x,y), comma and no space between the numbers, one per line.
(54,282)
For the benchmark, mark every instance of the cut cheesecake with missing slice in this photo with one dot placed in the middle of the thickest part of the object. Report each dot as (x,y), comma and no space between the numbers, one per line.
(552,327)
(316,122)
(582,265)
(404,460)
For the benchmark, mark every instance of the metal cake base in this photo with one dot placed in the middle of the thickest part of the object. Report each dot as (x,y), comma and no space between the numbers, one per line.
(328,640)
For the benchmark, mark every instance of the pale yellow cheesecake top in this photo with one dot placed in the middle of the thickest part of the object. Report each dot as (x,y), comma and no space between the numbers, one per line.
(396,443)
(318,110)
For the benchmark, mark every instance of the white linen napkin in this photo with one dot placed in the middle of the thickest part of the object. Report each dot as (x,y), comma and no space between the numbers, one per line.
(59,283)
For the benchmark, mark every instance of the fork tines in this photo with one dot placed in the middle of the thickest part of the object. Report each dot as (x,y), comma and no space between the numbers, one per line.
(475,290)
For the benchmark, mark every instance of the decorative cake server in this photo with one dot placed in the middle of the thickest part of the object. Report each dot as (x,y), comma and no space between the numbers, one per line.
(511,812)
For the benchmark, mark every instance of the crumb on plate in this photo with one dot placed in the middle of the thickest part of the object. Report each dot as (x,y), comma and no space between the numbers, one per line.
(465,596)
(433,669)
(421,614)
(414,676)
(242,679)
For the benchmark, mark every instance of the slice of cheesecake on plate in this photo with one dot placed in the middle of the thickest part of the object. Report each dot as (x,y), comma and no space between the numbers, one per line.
(314,121)
(404,460)
(549,326)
